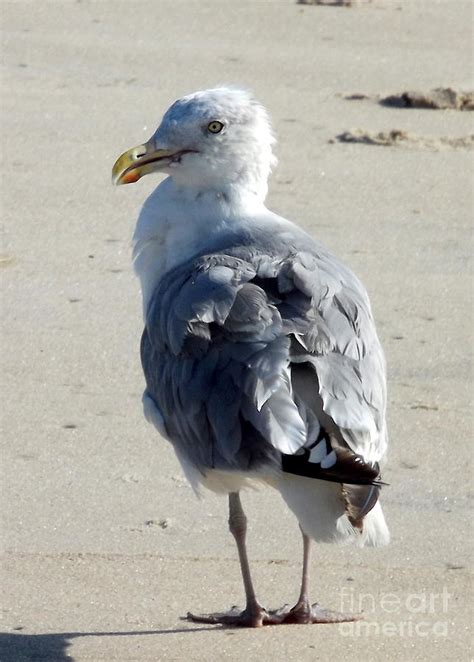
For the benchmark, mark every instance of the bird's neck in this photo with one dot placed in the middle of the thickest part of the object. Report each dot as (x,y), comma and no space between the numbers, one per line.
(177,223)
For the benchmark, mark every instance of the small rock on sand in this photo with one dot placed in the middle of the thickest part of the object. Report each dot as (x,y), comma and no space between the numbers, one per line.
(398,137)
(441,98)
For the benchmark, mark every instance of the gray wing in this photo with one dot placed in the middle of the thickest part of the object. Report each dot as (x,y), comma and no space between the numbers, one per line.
(341,345)
(215,357)
(254,358)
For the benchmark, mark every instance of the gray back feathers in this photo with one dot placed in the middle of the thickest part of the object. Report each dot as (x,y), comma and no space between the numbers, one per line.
(225,331)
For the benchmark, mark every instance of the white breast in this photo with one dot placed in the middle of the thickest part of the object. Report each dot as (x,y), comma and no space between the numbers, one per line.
(175,224)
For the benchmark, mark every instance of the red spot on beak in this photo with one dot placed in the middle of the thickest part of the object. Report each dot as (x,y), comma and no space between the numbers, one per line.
(130,177)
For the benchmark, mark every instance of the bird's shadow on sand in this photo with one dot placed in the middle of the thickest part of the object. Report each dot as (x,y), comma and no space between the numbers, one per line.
(53,647)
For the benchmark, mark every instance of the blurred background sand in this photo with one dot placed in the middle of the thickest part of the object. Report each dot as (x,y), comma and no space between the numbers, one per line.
(104,544)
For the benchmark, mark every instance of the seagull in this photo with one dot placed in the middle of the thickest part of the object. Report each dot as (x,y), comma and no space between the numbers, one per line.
(260,354)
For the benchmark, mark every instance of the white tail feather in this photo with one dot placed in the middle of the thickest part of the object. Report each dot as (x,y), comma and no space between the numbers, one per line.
(319,507)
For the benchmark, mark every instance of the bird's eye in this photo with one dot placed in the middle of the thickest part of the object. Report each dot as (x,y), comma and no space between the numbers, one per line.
(215,126)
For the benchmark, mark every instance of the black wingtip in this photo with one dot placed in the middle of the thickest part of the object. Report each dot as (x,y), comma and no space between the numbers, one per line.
(349,468)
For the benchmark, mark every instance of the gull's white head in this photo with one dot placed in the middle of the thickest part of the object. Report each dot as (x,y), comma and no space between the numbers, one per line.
(214,140)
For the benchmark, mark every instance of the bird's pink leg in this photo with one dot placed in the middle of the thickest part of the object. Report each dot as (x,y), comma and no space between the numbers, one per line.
(304,611)
(254,615)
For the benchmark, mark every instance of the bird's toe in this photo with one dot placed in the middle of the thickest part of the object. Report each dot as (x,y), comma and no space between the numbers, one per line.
(253,617)
(304,613)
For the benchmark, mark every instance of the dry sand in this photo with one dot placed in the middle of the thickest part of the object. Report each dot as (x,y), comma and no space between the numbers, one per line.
(104,544)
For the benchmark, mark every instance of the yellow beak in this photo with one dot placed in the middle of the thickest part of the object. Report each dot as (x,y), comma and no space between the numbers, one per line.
(139,161)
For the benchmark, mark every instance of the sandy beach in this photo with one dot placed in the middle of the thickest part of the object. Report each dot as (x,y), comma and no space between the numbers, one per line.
(104,545)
